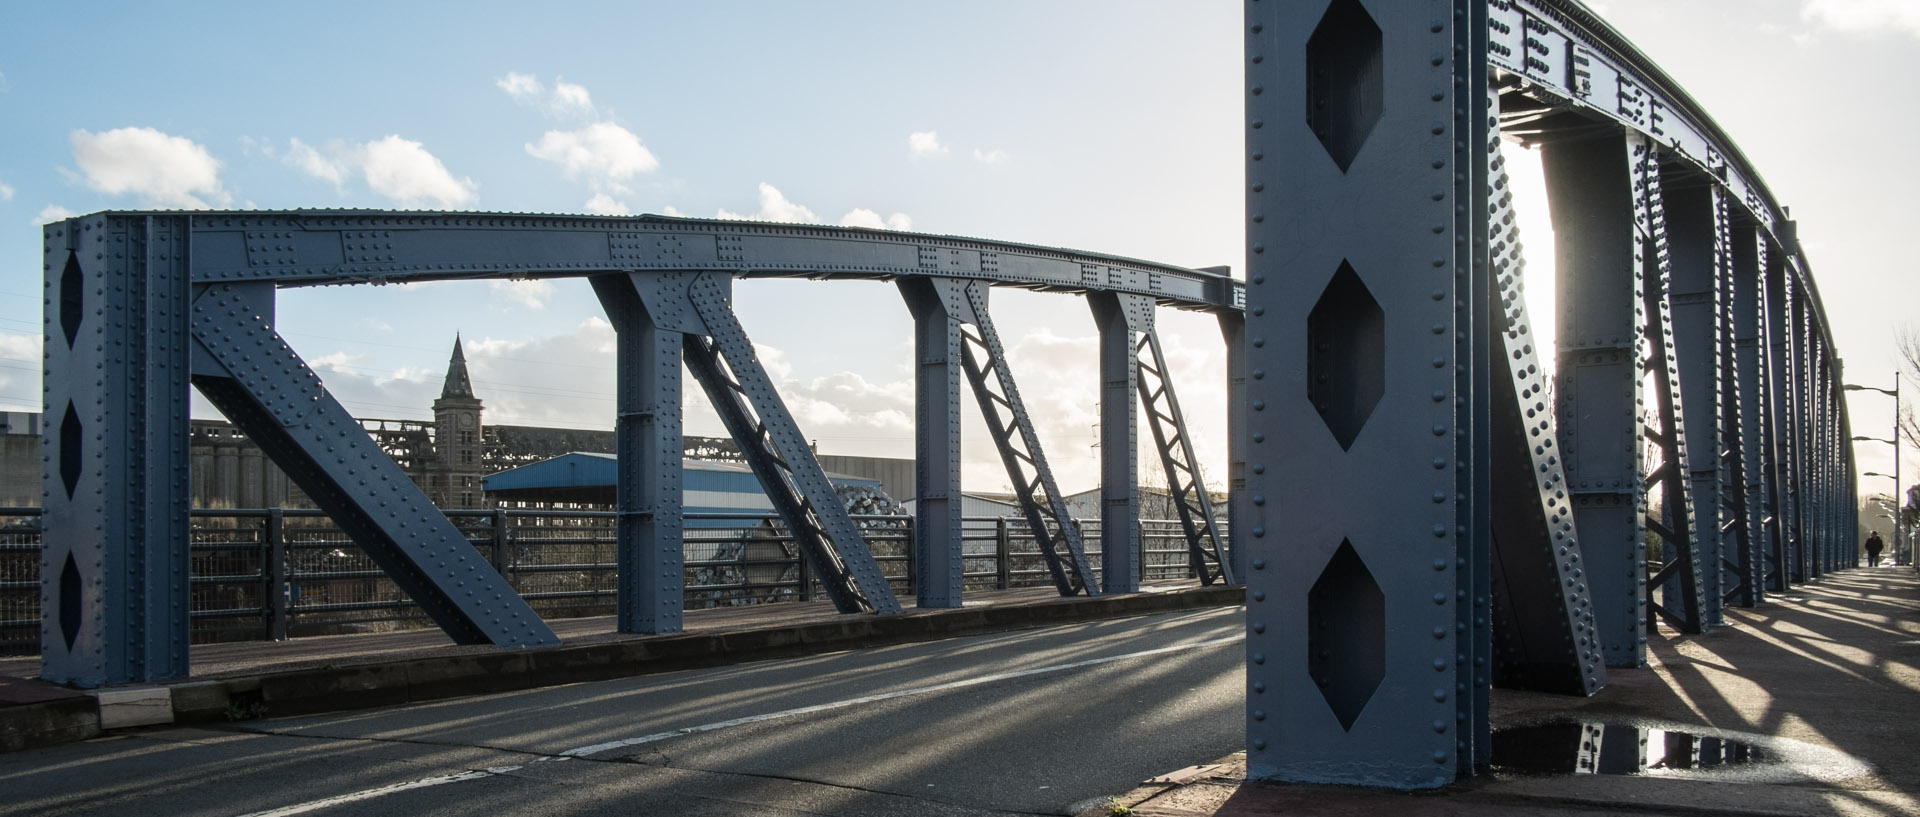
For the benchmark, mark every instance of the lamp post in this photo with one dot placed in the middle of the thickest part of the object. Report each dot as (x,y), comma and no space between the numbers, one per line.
(1898,535)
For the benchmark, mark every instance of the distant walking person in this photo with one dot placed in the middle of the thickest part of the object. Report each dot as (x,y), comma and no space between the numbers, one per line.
(1874,546)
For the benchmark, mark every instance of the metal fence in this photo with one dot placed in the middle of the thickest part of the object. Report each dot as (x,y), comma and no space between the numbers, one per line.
(275,573)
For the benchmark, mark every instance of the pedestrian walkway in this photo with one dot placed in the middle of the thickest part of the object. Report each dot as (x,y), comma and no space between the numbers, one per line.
(325,673)
(1828,673)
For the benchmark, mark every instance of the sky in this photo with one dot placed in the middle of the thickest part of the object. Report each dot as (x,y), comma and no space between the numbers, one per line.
(1113,127)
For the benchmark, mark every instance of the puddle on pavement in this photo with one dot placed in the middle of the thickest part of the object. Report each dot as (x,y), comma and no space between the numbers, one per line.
(1563,748)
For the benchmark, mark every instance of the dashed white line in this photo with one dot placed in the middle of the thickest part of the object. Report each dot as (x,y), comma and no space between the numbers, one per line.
(369,794)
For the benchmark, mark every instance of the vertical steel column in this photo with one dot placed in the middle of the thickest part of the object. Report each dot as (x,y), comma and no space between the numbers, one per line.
(1679,577)
(1120,318)
(650,556)
(1800,391)
(1779,426)
(1367,181)
(1598,378)
(1746,395)
(939,306)
(113,566)
(1695,211)
(1233,329)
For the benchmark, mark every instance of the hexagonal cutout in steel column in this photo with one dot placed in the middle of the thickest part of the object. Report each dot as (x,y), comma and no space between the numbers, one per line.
(1346,355)
(1346,634)
(1345,80)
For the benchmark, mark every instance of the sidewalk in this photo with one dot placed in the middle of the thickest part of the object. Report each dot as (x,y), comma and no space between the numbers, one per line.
(1828,673)
(253,678)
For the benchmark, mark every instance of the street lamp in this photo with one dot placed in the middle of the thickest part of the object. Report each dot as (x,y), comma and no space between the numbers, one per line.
(1898,537)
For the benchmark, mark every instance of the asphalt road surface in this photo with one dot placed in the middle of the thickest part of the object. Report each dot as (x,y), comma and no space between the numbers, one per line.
(1035,722)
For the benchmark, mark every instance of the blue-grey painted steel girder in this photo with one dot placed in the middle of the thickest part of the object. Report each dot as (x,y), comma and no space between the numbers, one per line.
(1678,580)
(1695,219)
(1364,235)
(1546,635)
(724,362)
(249,372)
(1745,363)
(1054,530)
(1233,329)
(939,307)
(1779,428)
(114,600)
(314,247)
(651,556)
(1598,398)
(1120,318)
(1185,483)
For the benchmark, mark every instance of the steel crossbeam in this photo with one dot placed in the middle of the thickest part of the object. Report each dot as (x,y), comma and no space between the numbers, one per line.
(1205,552)
(1054,530)
(1678,580)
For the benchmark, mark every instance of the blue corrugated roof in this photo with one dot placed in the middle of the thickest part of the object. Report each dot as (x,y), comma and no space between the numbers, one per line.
(586,470)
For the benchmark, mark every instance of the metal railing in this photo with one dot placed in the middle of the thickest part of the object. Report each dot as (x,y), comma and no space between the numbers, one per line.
(273,573)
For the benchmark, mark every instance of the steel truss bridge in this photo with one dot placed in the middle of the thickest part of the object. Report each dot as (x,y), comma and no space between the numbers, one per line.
(1418,515)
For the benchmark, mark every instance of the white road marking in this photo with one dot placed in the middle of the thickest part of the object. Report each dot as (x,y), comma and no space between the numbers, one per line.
(369,794)
(586,751)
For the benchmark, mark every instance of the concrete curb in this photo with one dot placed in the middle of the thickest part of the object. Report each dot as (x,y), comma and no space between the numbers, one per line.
(55,715)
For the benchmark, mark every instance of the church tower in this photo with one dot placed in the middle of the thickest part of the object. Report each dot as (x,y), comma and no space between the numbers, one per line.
(454,481)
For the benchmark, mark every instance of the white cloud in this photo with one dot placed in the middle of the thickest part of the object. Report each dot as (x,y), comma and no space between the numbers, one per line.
(774,207)
(303,157)
(519,86)
(863,217)
(571,98)
(990,157)
(672,211)
(1864,16)
(925,143)
(51,213)
(6,192)
(531,293)
(163,170)
(605,205)
(567,99)
(606,155)
(400,169)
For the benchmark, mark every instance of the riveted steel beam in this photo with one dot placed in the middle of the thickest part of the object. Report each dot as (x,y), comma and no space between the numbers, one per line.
(314,247)
(651,556)
(1053,528)
(1120,319)
(247,370)
(1598,377)
(1779,426)
(1679,577)
(1744,363)
(939,307)
(1695,221)
(1545,631)
(720,356)
(1185,484)
(113,564)
(1367,201)
(1233,329)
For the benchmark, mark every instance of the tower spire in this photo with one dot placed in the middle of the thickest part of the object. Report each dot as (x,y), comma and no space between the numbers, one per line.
(458,383)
